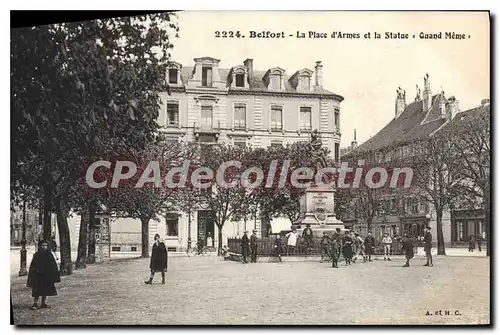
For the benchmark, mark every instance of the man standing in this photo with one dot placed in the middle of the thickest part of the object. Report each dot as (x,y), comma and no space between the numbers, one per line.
(360,245)
(407,249)
(478,239)
(369,245)
(159,260)
(253,246)
(292,241)
(334,250)
(325,246)
(245,246)
(307,235)
(387,241)
(428,246)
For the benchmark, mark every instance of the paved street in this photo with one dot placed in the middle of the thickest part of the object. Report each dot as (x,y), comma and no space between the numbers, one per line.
(206,290)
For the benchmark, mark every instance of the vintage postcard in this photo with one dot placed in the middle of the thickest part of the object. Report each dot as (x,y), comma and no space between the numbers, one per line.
(252,168)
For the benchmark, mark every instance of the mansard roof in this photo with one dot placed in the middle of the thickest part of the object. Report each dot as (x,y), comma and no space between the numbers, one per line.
(414,123)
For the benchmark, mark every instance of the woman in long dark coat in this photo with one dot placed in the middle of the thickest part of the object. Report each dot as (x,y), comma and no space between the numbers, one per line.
(347,248)
(42,275)
(159,260)
(407,249)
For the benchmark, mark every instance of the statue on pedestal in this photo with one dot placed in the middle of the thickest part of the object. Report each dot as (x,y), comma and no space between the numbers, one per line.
(316,150)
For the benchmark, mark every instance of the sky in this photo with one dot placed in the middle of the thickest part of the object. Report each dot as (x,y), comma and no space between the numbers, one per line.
(366,72)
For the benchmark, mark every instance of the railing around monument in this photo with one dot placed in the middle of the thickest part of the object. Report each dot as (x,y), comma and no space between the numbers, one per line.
(265,247)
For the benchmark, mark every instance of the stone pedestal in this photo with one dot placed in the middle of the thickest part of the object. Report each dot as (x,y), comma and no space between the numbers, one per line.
(317,209)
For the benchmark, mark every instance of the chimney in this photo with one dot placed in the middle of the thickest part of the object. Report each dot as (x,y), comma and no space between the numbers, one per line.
(452,107)
(427,94)
(249,64)
(485,102)
(400,101)
(354,143)
(318,74)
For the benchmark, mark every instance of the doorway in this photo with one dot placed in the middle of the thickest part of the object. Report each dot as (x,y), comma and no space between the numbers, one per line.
(206,224)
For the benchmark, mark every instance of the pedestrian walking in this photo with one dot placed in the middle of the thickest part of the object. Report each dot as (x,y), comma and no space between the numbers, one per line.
(292,241)
(159,260)
(253,246)
(407,249)
(479,241)
(347,248)
(360,246)
(42,275)
(307,235)
(325,246)
(387,241)
(472,243)
(428,246)
(245,246)
(369,246)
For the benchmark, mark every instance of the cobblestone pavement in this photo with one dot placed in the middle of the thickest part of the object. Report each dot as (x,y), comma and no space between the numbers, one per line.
(206,290)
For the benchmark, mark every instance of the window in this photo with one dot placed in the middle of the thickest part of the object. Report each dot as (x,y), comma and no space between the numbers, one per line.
(240,80)
(207,139)
(336,115)
(172,225)
(305,83)
(240,142)
(133,248)
(172,114)
(206,76)
(116,249)
(305,118)
(240,116)
(277,117)
(275,82)
(172,76)
(276,144)
(337,152)
(206,117)
(414,205)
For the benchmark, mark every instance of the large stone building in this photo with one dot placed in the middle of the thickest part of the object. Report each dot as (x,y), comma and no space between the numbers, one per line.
(425,116)
(239,105)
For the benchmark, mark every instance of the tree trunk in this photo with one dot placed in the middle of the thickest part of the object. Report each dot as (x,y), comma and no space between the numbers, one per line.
(91,235)
(47,214)
(439,227)
(219,235)
(66,267)
(145,237)
(487,217)
(81,259)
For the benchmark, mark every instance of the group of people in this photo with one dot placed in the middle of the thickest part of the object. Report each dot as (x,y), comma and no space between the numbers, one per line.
(473,241)
(350,245)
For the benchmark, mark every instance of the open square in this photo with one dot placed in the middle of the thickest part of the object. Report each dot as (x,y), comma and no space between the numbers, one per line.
(206,290)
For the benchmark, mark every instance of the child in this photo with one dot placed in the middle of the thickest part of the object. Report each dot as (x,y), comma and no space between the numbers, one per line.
(42,275)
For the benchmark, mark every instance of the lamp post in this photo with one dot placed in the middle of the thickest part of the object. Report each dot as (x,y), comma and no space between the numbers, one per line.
(22,269)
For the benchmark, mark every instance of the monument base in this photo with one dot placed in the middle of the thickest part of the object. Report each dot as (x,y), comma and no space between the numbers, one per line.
(330,225)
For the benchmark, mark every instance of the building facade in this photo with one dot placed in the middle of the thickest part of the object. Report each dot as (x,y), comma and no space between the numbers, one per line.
(425,116)
(240,105)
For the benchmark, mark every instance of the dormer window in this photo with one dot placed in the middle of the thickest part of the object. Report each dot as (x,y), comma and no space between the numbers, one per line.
(274,78)
(305,83)
(301,80)
(275,82)
(238,77)
(240,80)
(206,76)
(172,76)
(174,73)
